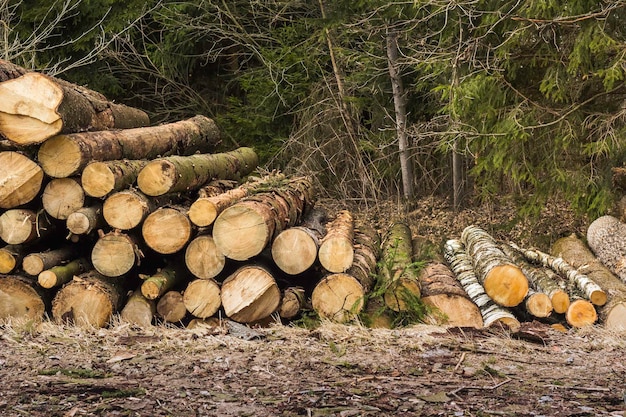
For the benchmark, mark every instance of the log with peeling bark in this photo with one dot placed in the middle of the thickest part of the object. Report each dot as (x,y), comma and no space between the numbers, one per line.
(244,229)
(167,230)
(202,298)
(503,281)
(250,294)
(398,273)
(90,299)
(62,274)
(171,307)
(606,238)
(186,173)
(574,251)
(35,107)
(292,302)
(444,293)
(20,179)
(21,297)
(19,226)
(62,197)
(138,310)
(461,264)
(10,258)
(101,178)
(341,296)
(336,252)
(35,263)
(85,220)
(591,290)
(202,257)
(66,155)
(115,253)
(165,279)
(126,209)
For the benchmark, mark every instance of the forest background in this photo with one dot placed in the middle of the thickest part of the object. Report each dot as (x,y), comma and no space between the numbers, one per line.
(377,99)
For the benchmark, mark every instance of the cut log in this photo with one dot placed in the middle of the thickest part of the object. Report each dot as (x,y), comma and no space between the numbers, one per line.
(85,220)
(37,262)
(503,281)
(538,304)
(167,230)
(62,197)
(398,272)
(216,187)
(202,257)
(606,238)
(581,313)
(250,294)
(461,264)
(292,302)
(100,178)
(171,308)
(336,252)
(444,293)
(154,286)
(66,155)
(574,251)
(126,209)
(341,296)
(90,299)
(62,274)
(244,229)
(20,179)
(35,106)
(21,298)
(138,310)
(202,298)
(19,226)
(185,173)
(115,253)
(10,258)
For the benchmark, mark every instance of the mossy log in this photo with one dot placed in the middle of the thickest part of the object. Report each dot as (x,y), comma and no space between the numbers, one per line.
(250,294)
(606,236)
(90,299)
(216,187)
(171,308)
(341,296)
(85,220)
(503,281)
(18,226)
(35,263)
(101,178)
(202,257)
(126,209)
(138,310)
(165,279)
(202,298)
(62,274)
(461,264)
(167,230)
(292,302)
(21,297)
(186,173)
(35,107)
(10,258)
(574,251)
(62,197)
(20,179)
(336,252)
(66,155)
(115,253)
(244,229)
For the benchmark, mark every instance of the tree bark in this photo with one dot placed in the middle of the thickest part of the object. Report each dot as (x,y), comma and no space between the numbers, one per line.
(292,302)
(503,281)
(606,238)
(139,310)
(114,254)
(244,229)
(20,179)
(619,178)
(19,226)
(10,258)
(171,308)
(62,274)
(66,155)
(185,173)
(62,197)
(125,210)
(35,107)
(336,252)
(21,298)
(202,257)
(35,263)
(85,220)
(202,298)
(154,286)
(250,294)
(101,178)
(167,230)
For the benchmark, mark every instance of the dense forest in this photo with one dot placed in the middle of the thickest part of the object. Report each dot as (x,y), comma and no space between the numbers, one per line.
(378,99)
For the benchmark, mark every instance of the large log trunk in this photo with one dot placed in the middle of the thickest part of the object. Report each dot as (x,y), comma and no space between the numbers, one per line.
(20,297)
(99,179)
(67,155)
(250,294)
(606,237)
(138,310)
(574,251)
(244,229)
(126,209)
(185,173)
(62,197)
(20,179)
(167,230)
(35,107)
(336,252)
(61,274)
(202,257)
(202,298)
(19,226)
(114,254)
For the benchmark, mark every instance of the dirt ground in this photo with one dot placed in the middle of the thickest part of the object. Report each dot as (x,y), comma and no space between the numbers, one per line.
(331,370)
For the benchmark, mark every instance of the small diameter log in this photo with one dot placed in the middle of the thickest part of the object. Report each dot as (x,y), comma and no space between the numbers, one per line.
(62,197)
(574,251)
(138,310)
(62,274)
(35,106)
(20,179)
(66,155)
(341,296)
(167,230)
(606,236)
(19,226)
(126,209)
(244,229)
(90,299)
(292,302)
(398,272)
(202,257)
(250,294)
(10,258)
(202,298)
(35,263)
(21,298)
(216,187)
(184,173)
(154,286)
(443,292)
(101,178)
(171,308)
(85,220)
(581,313)
(503,281)
(537,304)
(586,285)
(461,264)
(336,252)
(114,254)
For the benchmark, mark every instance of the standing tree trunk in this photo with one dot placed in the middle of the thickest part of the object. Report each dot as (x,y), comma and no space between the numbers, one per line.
(20,179)
(20,297)
(202,298)
(99,179)
(336,252)
(167,230)
(250,294)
